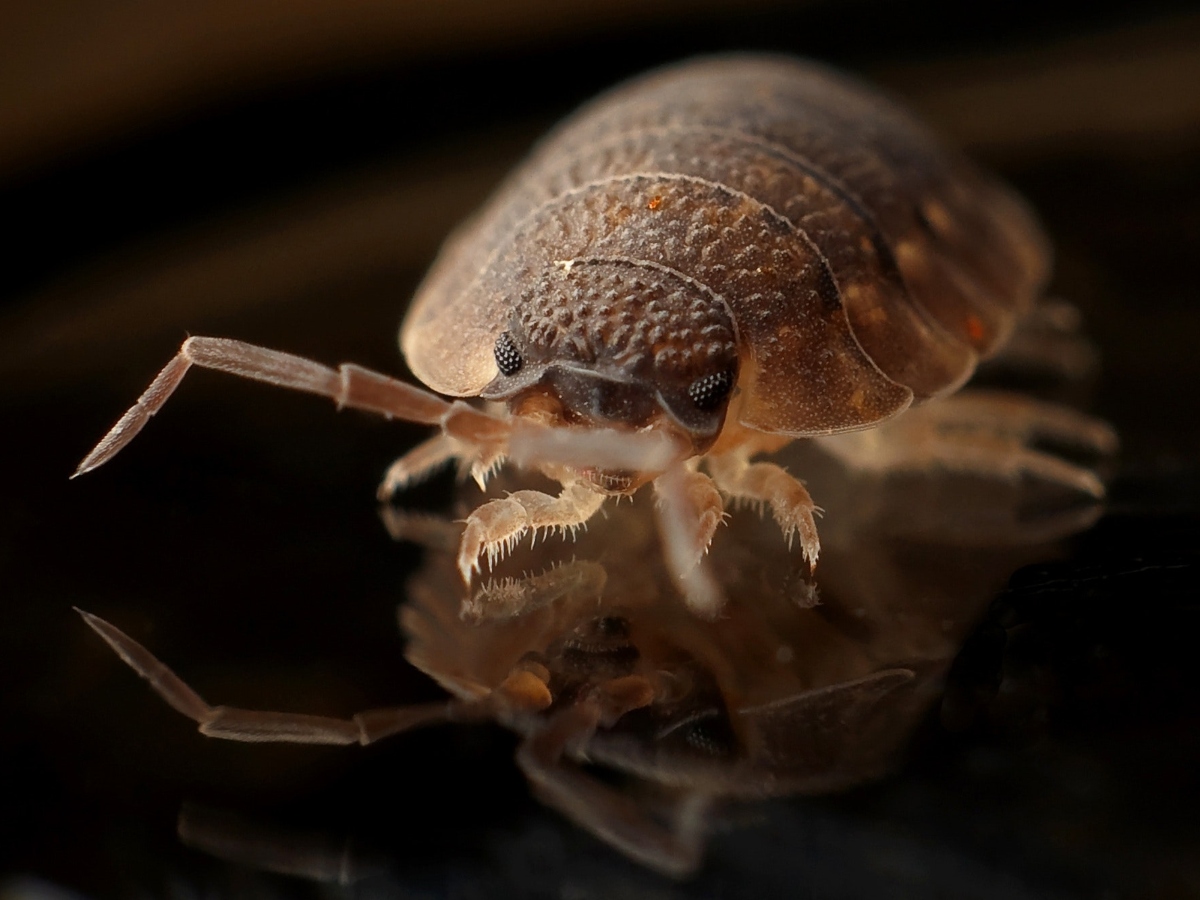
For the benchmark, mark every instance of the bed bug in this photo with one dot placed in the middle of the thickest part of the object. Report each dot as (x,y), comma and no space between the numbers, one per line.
(699,267)
(809,684)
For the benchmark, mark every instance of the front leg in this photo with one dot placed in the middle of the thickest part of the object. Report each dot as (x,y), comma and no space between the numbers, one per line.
(349,386)
(496,527)
(766,483)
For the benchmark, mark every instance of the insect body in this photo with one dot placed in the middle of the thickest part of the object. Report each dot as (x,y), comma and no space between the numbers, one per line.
(701,266)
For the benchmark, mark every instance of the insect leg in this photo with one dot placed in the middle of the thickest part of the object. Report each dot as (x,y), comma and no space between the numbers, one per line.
(236,724)
(496,527)
(764,482)
(689,511)
(644,452)
(423,529)
(268,847)
(1018,418)
(1048,341)
(614,818)
(986,433)
(349,385)
(577,582)
(416,464)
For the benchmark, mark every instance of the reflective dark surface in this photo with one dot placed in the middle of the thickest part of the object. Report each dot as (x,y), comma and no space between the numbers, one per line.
(238,537)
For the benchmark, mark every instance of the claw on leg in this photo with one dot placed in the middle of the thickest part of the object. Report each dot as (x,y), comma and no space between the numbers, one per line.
(495,528)
(766,483)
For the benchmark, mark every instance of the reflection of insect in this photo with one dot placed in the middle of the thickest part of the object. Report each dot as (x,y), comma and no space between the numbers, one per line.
(703,265)
(784,695)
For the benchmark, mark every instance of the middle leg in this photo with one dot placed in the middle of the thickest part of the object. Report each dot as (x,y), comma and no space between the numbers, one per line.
(766,483)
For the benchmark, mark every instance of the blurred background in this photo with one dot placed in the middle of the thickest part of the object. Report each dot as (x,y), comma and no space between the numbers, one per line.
(283,173)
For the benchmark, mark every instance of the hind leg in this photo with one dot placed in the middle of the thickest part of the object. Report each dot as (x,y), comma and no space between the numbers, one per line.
(1048,342)
(987,433)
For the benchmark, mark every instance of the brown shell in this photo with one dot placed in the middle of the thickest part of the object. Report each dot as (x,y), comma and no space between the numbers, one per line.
(864,264)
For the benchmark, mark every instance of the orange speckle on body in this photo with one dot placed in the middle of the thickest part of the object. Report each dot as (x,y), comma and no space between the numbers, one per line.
(974,328)
(654,203)
(875,315)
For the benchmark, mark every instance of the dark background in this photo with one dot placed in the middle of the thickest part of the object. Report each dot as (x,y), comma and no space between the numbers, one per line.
(283,175)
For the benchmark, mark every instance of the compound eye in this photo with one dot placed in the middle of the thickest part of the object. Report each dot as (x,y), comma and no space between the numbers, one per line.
(508,357)
(710,391)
